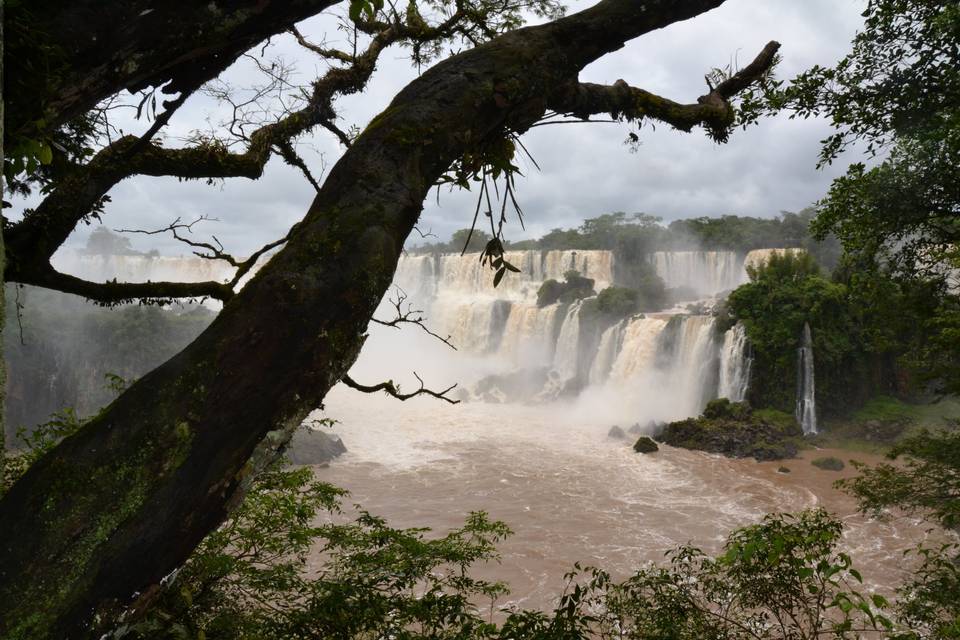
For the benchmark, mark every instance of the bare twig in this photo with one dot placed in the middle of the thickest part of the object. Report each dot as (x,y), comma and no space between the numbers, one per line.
(216,251)
(409,316)
(392,389)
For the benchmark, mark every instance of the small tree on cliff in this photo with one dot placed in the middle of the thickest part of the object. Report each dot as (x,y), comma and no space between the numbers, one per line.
(113,509)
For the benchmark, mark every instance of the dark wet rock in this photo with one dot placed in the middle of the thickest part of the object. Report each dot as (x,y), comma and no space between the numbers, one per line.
(783,469)
(736,430)
(645,444)
(828,463)
(616,432)
(310,446)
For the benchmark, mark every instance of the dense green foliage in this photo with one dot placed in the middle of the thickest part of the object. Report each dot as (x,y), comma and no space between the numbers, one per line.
(870,330)
(35,443)
(249,579)
(618,302)
(899,91)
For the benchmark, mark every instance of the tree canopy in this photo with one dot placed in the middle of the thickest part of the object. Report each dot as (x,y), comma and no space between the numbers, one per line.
(897,96)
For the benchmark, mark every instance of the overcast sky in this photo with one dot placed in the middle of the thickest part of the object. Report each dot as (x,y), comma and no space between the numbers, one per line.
(586,168)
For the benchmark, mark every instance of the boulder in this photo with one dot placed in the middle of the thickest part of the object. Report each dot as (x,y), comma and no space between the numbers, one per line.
(311,446)
(828,463)
(636,429)
(735,430)
(783,469)
(645,444)
(616,432)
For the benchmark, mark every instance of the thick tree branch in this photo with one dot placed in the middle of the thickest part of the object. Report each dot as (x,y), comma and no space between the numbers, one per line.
(620,100)
(114,293)
(391,389)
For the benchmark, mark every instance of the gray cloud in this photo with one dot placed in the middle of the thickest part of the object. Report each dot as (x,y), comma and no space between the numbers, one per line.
(586,168)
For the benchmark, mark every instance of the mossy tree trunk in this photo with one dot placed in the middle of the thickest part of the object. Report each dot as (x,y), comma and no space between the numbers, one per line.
(118,506)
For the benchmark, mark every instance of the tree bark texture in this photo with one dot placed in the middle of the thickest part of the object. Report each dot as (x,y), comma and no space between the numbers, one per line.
(121,504)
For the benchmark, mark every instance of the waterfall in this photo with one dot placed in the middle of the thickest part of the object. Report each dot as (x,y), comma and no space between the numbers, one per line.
(668,364)
(530,334)
(666,367)
(806,411)
(735,364)
(708,273)
(611,342)
(466,274)
(704,273)
(566,360)
(638,352)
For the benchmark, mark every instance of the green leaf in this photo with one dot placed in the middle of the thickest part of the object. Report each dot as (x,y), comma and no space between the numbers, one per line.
(45,154)
(356,9)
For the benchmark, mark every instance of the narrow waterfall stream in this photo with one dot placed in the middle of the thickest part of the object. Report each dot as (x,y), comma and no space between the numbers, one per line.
(806,411)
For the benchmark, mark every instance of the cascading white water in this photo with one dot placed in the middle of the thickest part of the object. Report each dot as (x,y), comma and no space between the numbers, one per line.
(705,273)
(735,364)
(529,334)
(638,352)
(670,361)
(467,274)
(611,342)
(567,357)
(708,273)
(675,364)
(806,411)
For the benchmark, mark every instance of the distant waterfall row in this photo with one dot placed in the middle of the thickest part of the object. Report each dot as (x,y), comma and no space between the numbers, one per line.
(702,273)
(425,276)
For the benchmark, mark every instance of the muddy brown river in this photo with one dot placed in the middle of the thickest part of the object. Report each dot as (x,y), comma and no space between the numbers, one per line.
(571,493)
